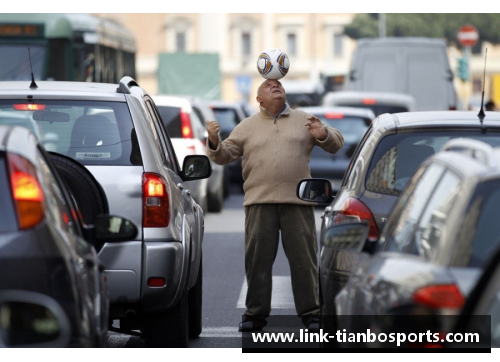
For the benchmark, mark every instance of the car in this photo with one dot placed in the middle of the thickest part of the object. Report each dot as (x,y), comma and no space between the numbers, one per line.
(186,127)
(438,237)
(229,115)
(303,93)
(352,123)
(378,102)
(416,66)
(47,252)
(218,184)
(392,149)
(115,131)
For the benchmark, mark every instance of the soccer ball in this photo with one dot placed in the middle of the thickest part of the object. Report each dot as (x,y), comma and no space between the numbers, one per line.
(273,64)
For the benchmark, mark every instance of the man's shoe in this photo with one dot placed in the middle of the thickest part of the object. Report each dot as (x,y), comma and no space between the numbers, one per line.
(249,326)
(313,327)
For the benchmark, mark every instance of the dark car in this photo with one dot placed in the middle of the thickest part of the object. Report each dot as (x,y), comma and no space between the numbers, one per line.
(352,123)
(391,151)
(229,115)
(46,250)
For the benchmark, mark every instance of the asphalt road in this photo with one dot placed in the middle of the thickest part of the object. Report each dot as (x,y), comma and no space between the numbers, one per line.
(224,285)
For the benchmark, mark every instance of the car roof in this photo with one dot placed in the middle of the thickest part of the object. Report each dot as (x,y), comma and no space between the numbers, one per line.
(380,97)
(351,111)
(48,89)
(442,119)
(172,101)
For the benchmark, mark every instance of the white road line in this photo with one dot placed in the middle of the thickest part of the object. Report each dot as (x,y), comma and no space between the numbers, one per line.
(282,297)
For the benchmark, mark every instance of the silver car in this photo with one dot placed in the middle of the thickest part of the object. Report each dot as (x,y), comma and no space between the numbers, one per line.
(116,132)
(436,241)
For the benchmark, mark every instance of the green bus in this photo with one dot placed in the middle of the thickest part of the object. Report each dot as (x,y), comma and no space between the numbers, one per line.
(65,47)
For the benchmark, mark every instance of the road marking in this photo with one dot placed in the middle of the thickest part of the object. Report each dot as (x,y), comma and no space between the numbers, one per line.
(282,297)
(220,332)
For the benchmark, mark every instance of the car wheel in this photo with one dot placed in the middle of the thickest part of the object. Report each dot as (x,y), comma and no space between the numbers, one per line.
(216,200)
(195,305)
(83,186)
(169,329)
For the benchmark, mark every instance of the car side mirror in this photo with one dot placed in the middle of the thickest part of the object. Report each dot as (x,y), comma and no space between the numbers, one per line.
(315,190)
(350,236)
(196,167)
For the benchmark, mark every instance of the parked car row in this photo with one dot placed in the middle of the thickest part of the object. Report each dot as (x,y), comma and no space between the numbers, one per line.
(413,223)
(111,154)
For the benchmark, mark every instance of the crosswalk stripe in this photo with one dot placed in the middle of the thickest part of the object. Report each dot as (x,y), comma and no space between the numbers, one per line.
(282,297)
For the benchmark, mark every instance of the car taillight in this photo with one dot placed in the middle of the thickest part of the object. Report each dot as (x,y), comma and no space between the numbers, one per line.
(26,192)
(29,107)
(155,200)
(334,115)
(369,101)
(354,209)
(452,108)
(439,296)
(186,129)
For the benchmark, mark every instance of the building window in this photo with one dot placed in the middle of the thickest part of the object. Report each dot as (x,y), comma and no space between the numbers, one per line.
(291,43)
(338,45)
(246,44)
(180,41)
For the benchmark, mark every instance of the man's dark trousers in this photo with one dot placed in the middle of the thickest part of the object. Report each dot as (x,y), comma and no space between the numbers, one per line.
(263,223)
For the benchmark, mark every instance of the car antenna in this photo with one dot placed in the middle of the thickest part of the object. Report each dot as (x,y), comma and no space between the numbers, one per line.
(481,114)
(33,84)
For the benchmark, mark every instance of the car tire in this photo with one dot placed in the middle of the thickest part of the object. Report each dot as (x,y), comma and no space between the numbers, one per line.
(195,305)
(85,189)
(169,329)
(216,200)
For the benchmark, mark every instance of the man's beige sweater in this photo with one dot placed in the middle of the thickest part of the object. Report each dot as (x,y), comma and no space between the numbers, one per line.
(276,154)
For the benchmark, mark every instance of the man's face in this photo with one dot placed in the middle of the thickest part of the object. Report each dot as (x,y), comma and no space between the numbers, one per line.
(271,90)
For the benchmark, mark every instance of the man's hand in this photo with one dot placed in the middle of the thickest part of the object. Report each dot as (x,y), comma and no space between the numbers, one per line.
(213,129)
(316,128)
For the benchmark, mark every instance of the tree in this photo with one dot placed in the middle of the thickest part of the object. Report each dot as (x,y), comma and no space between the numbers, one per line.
(427,25)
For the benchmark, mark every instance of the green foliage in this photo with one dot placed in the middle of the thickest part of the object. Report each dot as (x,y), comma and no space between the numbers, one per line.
(426,25)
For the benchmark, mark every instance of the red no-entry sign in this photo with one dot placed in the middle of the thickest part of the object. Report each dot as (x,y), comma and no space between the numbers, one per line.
(468,35)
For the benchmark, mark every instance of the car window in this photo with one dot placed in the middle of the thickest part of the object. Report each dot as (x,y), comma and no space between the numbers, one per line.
(94,133)
(405,216)
(166,148)
(397,156)
(8,220)
(197,125)
(427,237)
(171,117)
(353,171)
(479,232)
(57,204)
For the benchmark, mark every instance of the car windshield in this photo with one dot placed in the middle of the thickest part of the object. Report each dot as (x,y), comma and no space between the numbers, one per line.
(479,233)
(398,156)
(352,128)
(91,132)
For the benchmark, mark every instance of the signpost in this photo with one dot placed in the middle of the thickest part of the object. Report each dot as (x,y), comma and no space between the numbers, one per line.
(467,36)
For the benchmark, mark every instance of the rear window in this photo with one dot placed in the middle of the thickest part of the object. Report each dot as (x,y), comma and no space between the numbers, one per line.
(398,156)
(227,118)
(171,117)
(479,233)
(352,128)
(93,133)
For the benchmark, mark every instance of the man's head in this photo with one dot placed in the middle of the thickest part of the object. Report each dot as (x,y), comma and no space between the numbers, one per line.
(271,92)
